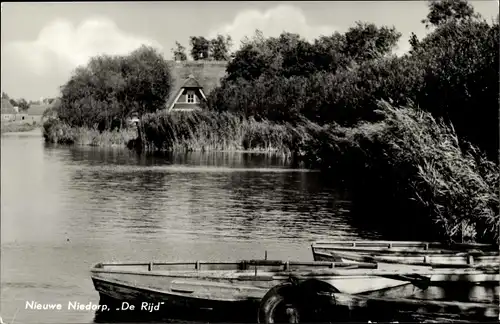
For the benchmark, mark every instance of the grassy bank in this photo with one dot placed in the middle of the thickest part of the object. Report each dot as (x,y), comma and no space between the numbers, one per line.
(57,132)
(410,171)
(12,127)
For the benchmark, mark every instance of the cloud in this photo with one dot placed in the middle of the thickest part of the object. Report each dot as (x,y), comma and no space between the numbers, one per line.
(272,23)
(61,45)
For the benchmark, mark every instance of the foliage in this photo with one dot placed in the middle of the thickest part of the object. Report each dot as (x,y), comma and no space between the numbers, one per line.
(452,73)
(217,49)
(444,11)
(416,163)
(220,48)
(365,41)
(459,62)
(212,131)
(11,127)
(57,132)
(179,52)
(109,88)
(22,104)
(290,55)
(200,48)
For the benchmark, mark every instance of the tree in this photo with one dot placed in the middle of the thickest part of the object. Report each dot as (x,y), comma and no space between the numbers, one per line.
(200,48)
(442,11)
(367,41)
(22,104)
(460,62)
(179,52)
(110,87)
(5,96)
(220,48)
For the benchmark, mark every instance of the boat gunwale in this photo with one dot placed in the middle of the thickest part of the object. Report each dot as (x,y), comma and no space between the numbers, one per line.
(409,244)
(480,262)
(387,248)
(303,273)
(171,293)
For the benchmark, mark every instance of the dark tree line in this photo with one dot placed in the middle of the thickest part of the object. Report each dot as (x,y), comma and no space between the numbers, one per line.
(106,91)
(452,73)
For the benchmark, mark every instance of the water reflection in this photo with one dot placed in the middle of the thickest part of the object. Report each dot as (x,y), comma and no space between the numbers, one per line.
(203,196)
(65,209)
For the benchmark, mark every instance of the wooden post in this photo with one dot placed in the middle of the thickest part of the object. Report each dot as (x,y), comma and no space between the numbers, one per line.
(265,258)
(150,266)
(287,266)
(197,265)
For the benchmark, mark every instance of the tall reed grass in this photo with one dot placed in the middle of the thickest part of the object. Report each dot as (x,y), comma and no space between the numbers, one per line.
(11,127)
(416,164)
(214,131)
(57,132)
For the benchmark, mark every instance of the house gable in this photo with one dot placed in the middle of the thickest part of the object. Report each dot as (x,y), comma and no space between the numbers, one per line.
(189,96)
(206,76)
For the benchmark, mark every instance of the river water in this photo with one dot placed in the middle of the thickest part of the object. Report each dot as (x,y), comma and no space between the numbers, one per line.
(63,209)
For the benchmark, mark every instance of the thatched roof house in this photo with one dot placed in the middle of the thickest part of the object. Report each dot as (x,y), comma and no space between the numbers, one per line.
(39,109)
(192,82)
(7,107)
(9,113)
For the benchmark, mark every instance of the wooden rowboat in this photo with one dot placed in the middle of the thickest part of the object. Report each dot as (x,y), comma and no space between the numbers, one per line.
(221,287)
(481,284)
(409,253)
(260,288)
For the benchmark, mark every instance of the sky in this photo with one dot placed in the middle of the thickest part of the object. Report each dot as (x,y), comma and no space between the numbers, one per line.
(42,43)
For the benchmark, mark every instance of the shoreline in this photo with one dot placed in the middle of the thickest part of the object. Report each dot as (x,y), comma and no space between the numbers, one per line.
(18,128)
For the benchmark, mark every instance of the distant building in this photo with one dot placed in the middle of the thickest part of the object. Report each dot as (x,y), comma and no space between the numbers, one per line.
(192,83)
(8,111)
(36,110)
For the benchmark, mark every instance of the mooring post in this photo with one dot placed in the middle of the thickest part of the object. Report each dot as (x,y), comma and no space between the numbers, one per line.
(265,257)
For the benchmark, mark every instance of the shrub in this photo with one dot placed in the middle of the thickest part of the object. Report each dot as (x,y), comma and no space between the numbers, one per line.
(414,165)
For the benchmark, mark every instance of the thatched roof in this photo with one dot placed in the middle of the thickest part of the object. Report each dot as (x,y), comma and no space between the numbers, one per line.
(7,107)
(37,109)
(206,74)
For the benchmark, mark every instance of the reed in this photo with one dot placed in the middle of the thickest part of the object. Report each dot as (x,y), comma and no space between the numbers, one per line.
(214,131)
(17,127)
(57,132)
(415,163)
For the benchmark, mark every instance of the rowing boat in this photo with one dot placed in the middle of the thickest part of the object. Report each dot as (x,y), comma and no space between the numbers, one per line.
(409,253)
(266,289)
(221,287)
(479,285)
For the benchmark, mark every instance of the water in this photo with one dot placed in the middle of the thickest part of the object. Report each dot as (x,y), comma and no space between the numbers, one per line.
(65,209)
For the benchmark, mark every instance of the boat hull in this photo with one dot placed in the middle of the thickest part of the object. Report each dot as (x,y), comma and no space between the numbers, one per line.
(465,285)
(225,295)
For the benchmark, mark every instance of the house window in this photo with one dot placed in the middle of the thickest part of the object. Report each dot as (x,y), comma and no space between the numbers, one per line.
(190,97)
